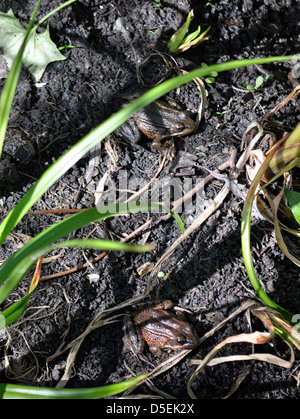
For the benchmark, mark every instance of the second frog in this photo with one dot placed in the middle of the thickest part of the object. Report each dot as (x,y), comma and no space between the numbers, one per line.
(157,121)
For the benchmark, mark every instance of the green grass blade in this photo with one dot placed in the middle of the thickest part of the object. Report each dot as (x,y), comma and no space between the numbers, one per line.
(16,266)
(11,391)
(105,245)
(50,235)
(65,162)
(14,312)
(57,9)
(65,227)
(246,241)
(10,85)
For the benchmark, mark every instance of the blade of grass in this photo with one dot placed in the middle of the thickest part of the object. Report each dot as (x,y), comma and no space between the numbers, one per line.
(65,162)
(14,312)
(16,266)
(57,9)
(66,226)
(10,85)
(246,240)
(11,391)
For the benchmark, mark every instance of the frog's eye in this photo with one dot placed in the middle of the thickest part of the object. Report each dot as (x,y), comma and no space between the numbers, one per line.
(180,128)
(181,339)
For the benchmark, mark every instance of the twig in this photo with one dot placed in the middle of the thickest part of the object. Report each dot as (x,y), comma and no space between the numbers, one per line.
(291,96)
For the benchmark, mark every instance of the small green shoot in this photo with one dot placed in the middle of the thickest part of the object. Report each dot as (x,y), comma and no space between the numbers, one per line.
(272,25)
(65,47)
(179,42)
(153,32)
(258,82)
(158,3)
(224,122)
(211,77)
(218,125)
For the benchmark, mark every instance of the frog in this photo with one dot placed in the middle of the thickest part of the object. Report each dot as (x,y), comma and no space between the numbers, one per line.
(157,121)
(153,323)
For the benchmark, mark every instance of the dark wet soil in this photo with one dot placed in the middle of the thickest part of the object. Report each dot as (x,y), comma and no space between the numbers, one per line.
(206,272)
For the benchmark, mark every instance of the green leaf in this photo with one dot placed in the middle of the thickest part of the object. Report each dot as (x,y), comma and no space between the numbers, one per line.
(39,51)
(192,36)
(211,75)
(294,202)
(259,81)
(11,391)
(189,41)
(209,80)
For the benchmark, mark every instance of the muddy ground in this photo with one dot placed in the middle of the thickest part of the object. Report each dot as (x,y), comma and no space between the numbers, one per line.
(206,273)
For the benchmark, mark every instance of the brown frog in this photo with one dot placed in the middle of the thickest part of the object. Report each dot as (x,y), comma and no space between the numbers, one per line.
(157,121)
(151,323)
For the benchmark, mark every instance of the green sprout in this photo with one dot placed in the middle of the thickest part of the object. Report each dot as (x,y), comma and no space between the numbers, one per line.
(218,125)
(273,26)
(153,32)
(211,76)
(65,47)
(258,82)
(179,42)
